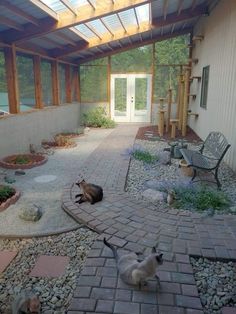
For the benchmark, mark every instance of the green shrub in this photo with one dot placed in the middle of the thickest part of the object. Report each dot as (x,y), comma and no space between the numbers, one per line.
(200,199)
(6,192)
(97,118)
(21,159)
(144,156)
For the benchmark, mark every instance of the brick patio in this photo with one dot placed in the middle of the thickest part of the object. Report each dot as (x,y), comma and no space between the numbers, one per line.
(138,226)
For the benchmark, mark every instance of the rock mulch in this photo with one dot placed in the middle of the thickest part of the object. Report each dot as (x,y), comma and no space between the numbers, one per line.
(216,284)
(55,293)
(143,176)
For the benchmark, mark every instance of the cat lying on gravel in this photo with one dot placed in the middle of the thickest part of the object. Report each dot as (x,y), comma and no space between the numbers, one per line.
(134,271)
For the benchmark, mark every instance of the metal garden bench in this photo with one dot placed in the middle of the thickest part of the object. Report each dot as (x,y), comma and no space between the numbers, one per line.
(209,157)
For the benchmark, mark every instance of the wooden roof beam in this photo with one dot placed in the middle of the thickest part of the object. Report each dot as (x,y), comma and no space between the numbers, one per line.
(85,14)
(165,8)
(92,5)
(136,45)
(19,12)
(107,28)
(69,6)
(65,38)
(186,14)
(45,8)
(10,23)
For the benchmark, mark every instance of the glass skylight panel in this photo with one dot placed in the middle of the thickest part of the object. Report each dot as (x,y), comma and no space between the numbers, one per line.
(143,13)
(85,31)
(55,5)
(128,17)
(98,26)
(112,22)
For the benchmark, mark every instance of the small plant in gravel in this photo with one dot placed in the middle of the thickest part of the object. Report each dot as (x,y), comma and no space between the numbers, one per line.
(97,118)
(200,198)
(62,140)
(144,156)
(5,193)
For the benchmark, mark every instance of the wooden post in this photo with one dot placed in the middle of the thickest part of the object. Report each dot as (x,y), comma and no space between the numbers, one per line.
(38,83)
(55,84)
(68,84)
(181,101)
(169,104)
(185,102)
(173,123)
(153,81)
(161,113)
(12,82)
(109,85)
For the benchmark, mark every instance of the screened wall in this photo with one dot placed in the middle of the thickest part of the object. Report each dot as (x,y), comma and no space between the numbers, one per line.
(4,108)
(46,74)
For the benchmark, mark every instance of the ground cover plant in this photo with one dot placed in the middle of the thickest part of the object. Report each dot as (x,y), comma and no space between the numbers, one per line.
(199,198)
(5,193)
(97,118)
(20,159)
(144,156)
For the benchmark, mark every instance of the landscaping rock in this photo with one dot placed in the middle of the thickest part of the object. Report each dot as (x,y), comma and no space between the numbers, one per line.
(19,172)
(164,158)
(9,179)
(153,196)
(32,213)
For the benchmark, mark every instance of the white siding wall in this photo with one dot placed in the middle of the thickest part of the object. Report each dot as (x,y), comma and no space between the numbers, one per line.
(18,131)
(218,49)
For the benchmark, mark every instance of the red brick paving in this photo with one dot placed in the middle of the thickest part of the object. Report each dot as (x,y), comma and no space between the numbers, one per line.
(50,266)
(5,259)
(137,226)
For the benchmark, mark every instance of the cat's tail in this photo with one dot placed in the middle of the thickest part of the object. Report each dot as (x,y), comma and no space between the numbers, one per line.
(114,251)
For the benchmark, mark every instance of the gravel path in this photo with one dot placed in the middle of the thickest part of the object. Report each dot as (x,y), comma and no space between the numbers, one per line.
(61,168)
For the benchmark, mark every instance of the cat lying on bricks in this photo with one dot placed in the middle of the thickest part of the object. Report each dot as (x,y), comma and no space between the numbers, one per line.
(134,271)
(91,193)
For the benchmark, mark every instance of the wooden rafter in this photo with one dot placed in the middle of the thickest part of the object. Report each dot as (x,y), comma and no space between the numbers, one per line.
(194,2)
(165,7)
(180,6)
(105,25)
(93,30)
(186,14)
(69,6)
(107,38)
(10,23)
(78,33)
(172,28)
(136,17)
(138,44)
(45,8)
(92,5)
(66,20)
(19,12)
(51,41)
(65,38)
(122,24)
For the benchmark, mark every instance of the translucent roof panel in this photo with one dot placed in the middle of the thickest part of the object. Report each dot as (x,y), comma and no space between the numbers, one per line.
(112,22)
(85,31)
(58,6)
(143,13)
(128,17)
(98,26)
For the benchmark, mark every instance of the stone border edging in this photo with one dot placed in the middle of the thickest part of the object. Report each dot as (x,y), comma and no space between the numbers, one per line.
(10,201)
(8,165)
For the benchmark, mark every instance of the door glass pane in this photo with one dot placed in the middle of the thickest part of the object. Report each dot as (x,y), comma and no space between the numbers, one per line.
(120,96)
(140,96)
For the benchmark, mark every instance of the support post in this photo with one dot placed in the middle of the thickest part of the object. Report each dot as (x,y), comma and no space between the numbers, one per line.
(55,84)
(185,103)
(169,104)
(181,101)
(109,85)
(38,83)
(68,84)
(12,82)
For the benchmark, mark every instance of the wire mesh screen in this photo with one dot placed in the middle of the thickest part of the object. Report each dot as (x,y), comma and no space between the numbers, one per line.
(25,71)
(62,82)
(93,83)
(165,77)
(3,86)
(74,77)
(135,60)
(46,81)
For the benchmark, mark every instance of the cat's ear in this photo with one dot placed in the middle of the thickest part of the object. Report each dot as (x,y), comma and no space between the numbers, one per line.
(154,249)
(161,255)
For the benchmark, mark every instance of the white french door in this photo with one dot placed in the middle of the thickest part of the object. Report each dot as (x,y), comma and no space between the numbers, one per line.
(131,97)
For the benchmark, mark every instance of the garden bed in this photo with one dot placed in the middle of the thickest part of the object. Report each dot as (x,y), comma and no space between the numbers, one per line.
(8,196)
(23,161)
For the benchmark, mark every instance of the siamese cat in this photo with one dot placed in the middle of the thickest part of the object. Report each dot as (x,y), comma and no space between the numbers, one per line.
(134,271)
(90,192)
(26,303)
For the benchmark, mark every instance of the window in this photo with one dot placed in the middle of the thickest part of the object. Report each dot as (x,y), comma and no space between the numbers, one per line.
(205,80)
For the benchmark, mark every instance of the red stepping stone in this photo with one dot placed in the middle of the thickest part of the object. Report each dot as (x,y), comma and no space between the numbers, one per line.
(229,310)
(49,266)
(5,259)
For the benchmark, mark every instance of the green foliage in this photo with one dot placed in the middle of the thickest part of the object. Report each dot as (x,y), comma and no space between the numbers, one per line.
(200,199)
(6,192)
(21,159)
(144,156)
(97,118)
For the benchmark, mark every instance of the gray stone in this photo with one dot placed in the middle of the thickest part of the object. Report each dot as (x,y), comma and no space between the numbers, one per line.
(31,213)
(153,196)
(164,158)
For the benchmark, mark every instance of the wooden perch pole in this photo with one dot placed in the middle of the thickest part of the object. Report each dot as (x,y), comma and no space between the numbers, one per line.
(185,102)
(169,103)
